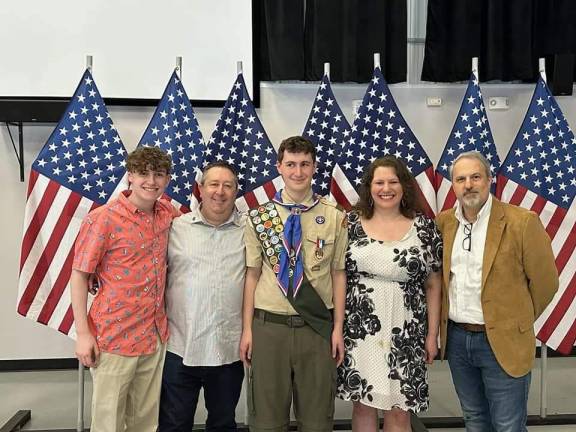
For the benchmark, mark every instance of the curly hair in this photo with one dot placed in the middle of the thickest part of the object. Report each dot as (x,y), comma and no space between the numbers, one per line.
(410,204)
(148,158)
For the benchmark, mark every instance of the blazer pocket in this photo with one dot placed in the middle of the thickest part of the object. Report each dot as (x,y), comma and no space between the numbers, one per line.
(525,325)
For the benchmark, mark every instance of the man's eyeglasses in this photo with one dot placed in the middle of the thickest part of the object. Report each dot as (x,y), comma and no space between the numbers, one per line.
(467,240)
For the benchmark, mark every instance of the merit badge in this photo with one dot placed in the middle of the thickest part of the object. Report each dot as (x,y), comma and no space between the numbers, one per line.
(260,228)
(273,213)
(276,220)
(261,209)
(265,217)
(320,220)
(270,206)
(278,248)
(271,232)
(268,224)
(263,236)
(253,213)
(273,260)
(269,251)
(274,239)
(256,220)
(276,268)
(279,228)
(319,254)
(267,243)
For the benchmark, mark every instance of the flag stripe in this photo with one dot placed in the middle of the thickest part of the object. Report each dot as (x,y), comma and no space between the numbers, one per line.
(31,182)
(565,347)
(58,288)
(51,248)
(46,197)
(66,324)
(555,314)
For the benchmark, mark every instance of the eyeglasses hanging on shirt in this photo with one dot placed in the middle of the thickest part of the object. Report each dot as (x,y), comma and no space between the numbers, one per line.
(467,240)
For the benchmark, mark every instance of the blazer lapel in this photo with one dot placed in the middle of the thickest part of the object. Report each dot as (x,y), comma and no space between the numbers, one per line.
(496,225)
(448,238)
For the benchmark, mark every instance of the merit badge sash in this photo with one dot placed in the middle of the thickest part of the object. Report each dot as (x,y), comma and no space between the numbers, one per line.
(291,278)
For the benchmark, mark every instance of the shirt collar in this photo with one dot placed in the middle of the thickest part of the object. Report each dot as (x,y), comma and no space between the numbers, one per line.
(307,201)
(484,212)
(123,199)
(196,217)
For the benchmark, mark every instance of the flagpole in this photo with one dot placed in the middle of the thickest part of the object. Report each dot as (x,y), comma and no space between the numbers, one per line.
(239,67)
(376,60)
(475,67)
(327,69)
(80,415)
(543,347)
(179,66)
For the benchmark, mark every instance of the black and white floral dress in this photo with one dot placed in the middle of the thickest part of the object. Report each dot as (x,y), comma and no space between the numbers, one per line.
(385,325)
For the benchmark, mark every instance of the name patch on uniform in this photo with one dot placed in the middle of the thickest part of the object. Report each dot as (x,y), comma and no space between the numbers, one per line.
(320,220)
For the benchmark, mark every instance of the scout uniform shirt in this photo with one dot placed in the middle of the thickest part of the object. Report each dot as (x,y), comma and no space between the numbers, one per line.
(324,243)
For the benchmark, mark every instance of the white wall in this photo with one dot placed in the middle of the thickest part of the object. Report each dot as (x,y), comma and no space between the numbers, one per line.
(284,111)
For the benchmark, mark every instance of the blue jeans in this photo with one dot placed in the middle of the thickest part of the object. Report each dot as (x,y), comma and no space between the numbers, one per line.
(180,390)
(491,400)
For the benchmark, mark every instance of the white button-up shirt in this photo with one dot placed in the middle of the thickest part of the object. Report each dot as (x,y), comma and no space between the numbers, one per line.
(206,266)
(466,268)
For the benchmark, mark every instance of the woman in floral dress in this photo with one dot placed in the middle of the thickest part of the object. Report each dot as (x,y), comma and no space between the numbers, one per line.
(392,301)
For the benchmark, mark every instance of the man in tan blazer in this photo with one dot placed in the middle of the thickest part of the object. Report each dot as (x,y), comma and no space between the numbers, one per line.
(498,276)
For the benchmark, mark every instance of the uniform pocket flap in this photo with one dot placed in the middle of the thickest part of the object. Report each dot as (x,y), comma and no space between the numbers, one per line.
(314,237)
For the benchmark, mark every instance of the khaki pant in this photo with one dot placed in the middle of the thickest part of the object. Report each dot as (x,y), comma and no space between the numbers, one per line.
(126,392)
(290,365)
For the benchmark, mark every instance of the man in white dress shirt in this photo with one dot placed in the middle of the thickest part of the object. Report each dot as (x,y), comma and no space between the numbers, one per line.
(498,276)
(206,265)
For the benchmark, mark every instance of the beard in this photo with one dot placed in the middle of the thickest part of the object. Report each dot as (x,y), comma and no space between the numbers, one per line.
(472,200)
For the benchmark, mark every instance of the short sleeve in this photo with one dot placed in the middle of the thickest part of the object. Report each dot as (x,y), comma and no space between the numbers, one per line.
(432,241)
(91,243)
(339,260)
(253,248)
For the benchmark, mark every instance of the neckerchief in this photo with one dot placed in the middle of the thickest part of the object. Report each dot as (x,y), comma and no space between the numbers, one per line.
(291,265)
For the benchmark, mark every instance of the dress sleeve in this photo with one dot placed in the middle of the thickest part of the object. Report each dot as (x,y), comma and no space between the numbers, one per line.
(432,240)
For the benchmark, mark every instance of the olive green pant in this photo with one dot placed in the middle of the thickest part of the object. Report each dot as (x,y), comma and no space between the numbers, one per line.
(290,365)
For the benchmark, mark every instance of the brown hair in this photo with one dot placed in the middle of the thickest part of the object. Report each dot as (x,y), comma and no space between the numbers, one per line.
(296,144)
(410,204)
(148,158)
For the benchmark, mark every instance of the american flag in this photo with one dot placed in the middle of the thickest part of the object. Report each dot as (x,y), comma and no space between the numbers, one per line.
(539,174)
(79,168)
(378,130)
(327,128)
(174,129)
(240,140)
(471,131)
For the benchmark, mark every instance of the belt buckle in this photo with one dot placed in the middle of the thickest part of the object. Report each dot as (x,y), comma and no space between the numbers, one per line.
(295,321)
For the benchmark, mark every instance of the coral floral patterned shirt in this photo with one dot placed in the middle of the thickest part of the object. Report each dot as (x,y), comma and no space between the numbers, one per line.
(126,249)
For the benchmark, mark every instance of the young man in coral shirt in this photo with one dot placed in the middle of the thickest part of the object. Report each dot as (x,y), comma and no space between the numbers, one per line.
(123,336)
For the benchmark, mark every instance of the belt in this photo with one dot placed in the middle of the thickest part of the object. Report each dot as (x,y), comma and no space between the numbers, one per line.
(293,321)
(474,328)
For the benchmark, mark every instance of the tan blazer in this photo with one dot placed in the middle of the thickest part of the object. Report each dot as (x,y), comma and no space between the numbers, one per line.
(519,278)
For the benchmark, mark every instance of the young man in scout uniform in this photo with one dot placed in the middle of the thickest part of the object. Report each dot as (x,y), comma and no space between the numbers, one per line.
(123,338)
(294,298)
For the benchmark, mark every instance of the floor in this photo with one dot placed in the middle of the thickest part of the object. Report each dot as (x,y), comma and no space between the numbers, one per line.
(52,397)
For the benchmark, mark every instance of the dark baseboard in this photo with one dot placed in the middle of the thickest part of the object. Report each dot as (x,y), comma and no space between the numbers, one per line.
(38,364)
(418,424)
